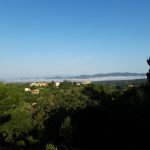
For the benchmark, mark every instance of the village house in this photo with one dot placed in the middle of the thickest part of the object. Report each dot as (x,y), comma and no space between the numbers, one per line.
(44,84)
(27,90)
(86,82)
(78,83)
(57,84)
(37,91)
(34,104)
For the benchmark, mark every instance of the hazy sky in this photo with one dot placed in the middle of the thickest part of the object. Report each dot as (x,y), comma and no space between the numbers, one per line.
(49,37)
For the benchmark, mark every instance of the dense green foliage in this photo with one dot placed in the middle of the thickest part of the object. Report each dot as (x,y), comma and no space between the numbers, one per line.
(73,117)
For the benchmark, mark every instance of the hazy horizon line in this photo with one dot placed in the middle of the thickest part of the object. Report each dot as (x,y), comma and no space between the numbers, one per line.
(62,75)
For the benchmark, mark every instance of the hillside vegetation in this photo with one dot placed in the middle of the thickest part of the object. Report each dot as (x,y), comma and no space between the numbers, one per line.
(75,116)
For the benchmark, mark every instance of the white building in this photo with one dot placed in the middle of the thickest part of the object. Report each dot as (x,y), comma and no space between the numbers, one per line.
(27,89)
(86,82)
(39,84)
(57,84)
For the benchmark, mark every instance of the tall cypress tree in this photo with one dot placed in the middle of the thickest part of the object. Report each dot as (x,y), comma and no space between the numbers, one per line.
(148,74)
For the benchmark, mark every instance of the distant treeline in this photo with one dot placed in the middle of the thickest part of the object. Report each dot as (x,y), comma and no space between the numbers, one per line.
(122,82)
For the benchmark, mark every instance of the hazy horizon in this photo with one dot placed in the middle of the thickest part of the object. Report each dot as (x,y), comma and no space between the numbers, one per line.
(74,78)
(58,75)
(41,37)
(119,78)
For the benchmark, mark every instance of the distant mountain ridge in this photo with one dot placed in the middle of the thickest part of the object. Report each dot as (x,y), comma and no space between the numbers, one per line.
(115,74)
(100,75)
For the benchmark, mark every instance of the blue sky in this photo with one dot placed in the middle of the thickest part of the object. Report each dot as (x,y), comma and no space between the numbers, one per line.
(70,37)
